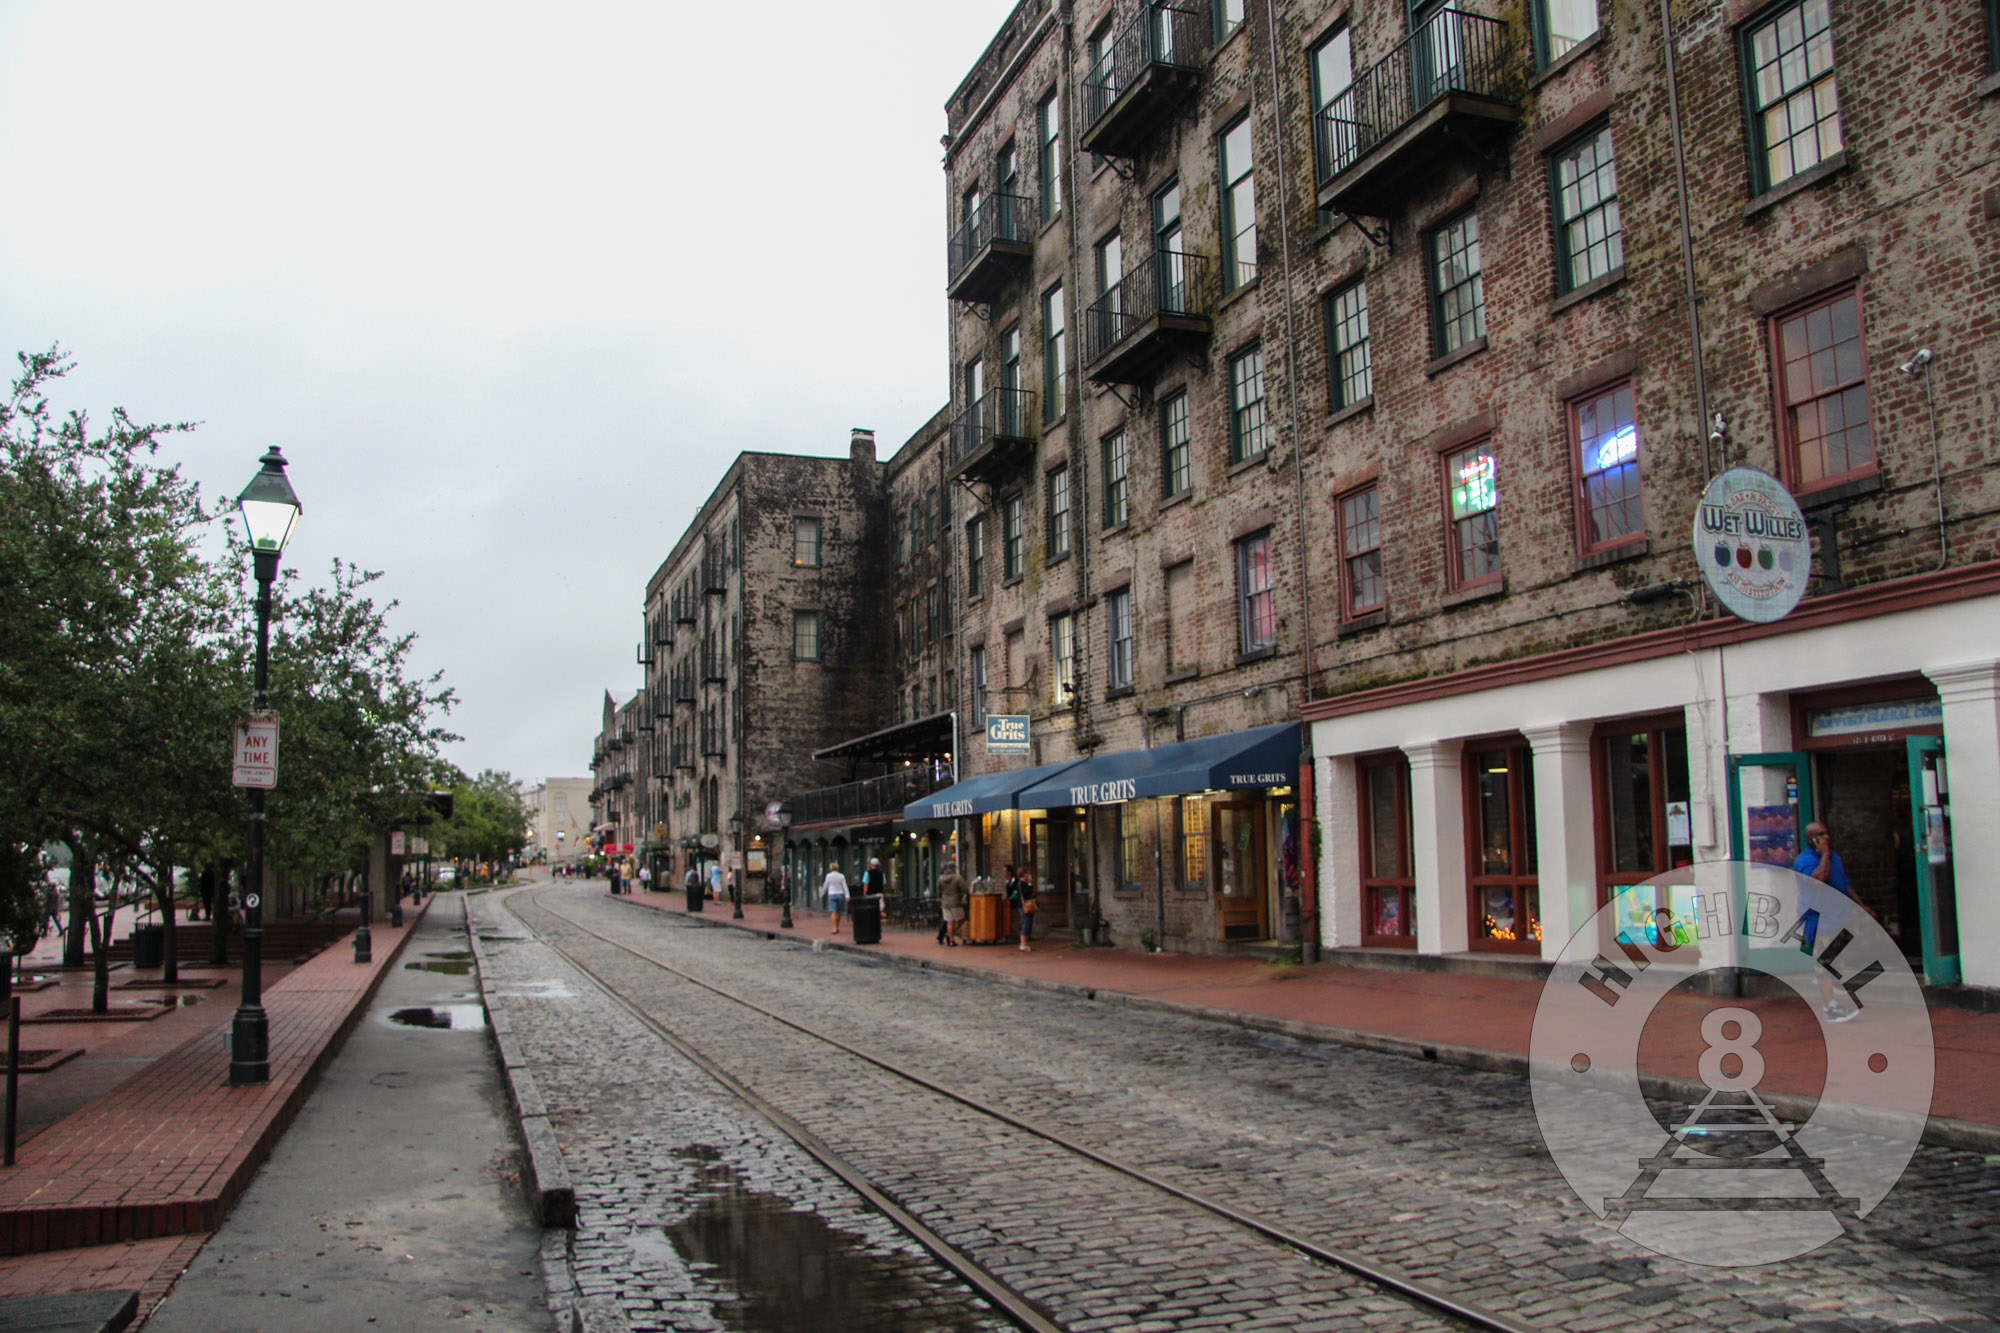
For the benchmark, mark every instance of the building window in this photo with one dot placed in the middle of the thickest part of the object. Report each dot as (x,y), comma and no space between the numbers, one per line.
(562,800)
(975,558)
(1191,813)
(1500,791)
(1128,847)
(1794,108)
(1590,239)
(1055,368)
(1057,485)
(1643,819)
(805,543)
(1361,582)
(1256,593)
(902,537)
(1351,377)
(1176,456)
(1117,501)
(1010,536)
(1183,620)
(805,636)
(1458,293)
(1334,124)
(1228,17)
(1062,653)
(932,620)
(1110,288)
(1607,467)
(1561,26)
(1246,405)
(1170,273)
(1472,497)
(1388,866)
(1239,207)
(1823,392)
(978,665)
(1993,34)
(1118,617)
(1049,122)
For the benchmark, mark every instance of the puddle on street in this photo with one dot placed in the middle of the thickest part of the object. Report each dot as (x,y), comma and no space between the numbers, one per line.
(455,963)
(462,1017)
(792,1273)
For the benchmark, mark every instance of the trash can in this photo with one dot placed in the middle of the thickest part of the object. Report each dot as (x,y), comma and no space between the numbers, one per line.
(697,889)
(149,946)
(866,914)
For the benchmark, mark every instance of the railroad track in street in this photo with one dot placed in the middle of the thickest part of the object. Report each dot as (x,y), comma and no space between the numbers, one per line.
(1427,1302)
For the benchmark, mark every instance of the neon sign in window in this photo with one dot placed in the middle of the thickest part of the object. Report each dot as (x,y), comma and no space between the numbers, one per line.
(1474,489)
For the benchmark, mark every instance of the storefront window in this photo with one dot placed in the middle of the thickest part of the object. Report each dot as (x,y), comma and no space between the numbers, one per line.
(1388,876)
(1128,846)
(1506,910)
(1193,814)
(1643,820)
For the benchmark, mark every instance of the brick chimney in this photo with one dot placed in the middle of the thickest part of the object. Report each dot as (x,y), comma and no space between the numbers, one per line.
(861,445)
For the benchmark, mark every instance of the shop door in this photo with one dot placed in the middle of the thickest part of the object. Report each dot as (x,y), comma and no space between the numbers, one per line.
(1051,838)
(1238,870)
(1937,890)
(1770,804)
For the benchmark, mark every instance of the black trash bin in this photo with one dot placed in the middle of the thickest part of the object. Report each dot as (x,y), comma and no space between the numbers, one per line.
(149,946)
(866,914)
(697,890)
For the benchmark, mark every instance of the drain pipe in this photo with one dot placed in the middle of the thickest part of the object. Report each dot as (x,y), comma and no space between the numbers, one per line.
(1921,364)
(1687,234)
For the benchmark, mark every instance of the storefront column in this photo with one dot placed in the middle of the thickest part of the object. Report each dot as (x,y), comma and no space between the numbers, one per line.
(1437,812)
(1339,869)
(1565,831)
(1970,694)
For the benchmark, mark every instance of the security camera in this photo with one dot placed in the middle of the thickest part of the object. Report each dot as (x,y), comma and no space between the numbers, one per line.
(1917,362)
(1719,431)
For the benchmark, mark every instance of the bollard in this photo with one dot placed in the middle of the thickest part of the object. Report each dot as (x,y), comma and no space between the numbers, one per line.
(364,944)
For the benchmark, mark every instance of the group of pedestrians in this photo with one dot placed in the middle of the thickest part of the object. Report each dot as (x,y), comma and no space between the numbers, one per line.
(954,897)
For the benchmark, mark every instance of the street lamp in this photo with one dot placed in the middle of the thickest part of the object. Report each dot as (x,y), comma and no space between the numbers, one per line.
(736,874)
(270,511)
(779,817)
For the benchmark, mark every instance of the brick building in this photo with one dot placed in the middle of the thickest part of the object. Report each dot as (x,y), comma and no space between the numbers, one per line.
(1364,364)
(764,634)
(619,805)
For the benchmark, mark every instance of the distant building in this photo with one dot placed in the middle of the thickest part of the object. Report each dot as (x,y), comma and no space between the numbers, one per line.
(559,817)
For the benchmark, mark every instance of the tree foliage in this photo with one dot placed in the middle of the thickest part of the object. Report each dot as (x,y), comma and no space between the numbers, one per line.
(488,819)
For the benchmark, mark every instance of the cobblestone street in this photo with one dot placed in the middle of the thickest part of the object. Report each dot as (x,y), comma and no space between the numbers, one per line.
(695,1213)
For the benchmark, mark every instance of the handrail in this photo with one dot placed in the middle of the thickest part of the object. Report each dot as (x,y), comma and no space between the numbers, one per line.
(1159,35)
(995,414)
(1453,51)
(885,795)
(1171,282)
(999,217)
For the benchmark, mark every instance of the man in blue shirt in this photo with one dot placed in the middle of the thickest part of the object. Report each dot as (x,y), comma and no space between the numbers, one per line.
(1820,862)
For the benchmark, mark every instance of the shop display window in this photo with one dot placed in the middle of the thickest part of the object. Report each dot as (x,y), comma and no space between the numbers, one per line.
(1504,890)
(1388,871)
(1644,826)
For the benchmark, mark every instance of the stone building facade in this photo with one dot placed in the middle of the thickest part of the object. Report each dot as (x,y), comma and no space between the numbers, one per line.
(619,802)
(559,817)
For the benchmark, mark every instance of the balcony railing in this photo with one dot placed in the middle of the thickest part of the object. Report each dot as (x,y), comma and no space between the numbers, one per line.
(1159,306)
(986,435)
(992,247)
(1153,62)
(1456,65)
(871,798)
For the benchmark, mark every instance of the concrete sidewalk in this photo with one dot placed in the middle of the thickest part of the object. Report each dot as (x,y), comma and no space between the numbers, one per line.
(1481,1022)
(119,1191)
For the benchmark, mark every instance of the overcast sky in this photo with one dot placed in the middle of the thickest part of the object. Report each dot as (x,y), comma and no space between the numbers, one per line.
(509,284)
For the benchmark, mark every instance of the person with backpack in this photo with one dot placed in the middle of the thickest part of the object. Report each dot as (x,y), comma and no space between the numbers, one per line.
(951,904)
(1021,897)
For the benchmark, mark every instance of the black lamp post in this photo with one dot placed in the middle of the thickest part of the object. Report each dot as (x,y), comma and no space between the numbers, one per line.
(735,873)
(270,511)
(780,818)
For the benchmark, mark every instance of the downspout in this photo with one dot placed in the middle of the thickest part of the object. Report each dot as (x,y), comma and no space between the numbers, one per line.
(1687,242)
(1308,881)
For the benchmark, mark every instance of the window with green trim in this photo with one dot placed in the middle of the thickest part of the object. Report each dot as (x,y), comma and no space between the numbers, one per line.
(1561,26)
(1794,105)
(805,636)
(1049,144)
(1228,17)
(1057,486)
(1118,619)
(1246,405)
(1458,291)
(1350,375)
(1176,453)
(1239,206)
(975,558)
(1590,238)
(1117,480)
(1055,364)
(1011,536)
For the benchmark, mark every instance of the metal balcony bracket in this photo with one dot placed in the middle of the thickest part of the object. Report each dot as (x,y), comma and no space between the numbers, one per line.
(1135,402)
(979,308)
(1361,226)
(985,501)
(1124,166)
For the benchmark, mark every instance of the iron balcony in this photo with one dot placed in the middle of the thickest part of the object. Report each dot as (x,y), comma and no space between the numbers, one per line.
(1160,307)
(870,798)
(1446,89)
(991,249)
(991,435)
(1148,70)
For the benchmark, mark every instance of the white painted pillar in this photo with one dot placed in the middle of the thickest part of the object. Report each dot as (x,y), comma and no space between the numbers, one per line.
(1437,811)
(1970,693)
(1565,831)
(1340,908)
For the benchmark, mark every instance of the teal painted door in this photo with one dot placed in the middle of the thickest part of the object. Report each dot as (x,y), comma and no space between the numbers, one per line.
(1937,889)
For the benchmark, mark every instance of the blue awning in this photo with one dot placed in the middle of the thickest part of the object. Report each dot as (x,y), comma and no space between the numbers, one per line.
(988,791)
(1265,757)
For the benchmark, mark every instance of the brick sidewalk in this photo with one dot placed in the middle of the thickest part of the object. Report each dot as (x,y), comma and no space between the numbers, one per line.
(120,1192)
(1482,1021)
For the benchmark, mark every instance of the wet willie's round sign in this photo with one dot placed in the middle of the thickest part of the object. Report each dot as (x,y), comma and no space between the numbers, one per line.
(1751,543)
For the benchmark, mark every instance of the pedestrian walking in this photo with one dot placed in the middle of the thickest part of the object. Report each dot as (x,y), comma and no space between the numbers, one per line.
(873,880)
(835,889)
(645,879)
(1021,897)
(1820,862)
(715,881)
(951,903)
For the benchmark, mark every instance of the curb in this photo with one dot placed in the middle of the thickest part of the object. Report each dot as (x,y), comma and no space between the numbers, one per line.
(1939,1131)
(545,1179)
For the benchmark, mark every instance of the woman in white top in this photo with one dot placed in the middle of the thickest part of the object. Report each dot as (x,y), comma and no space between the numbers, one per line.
(835,889)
